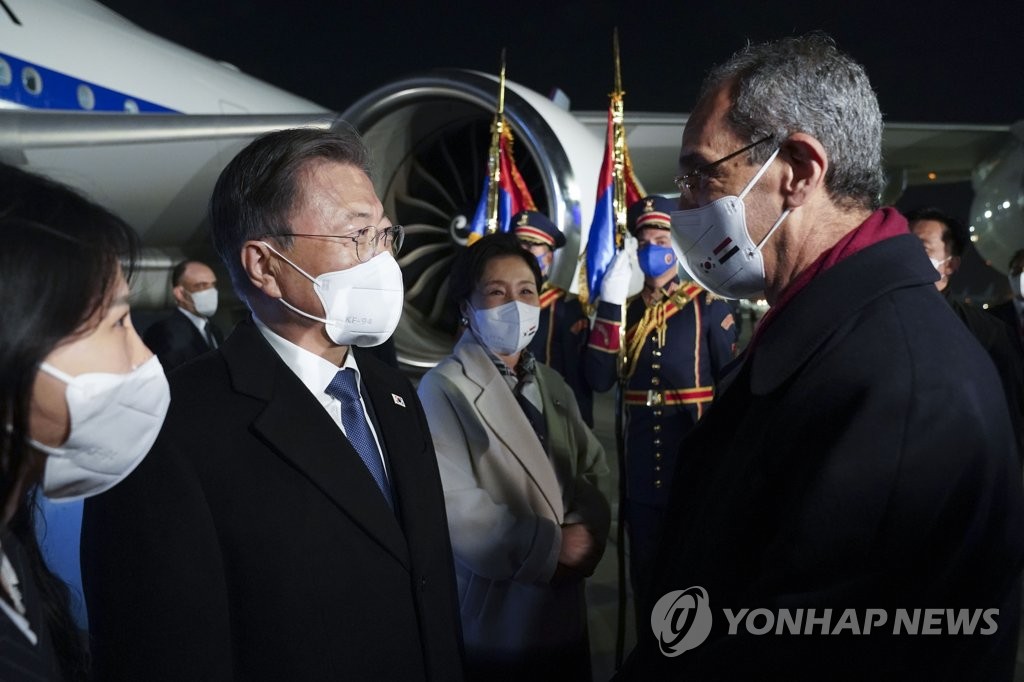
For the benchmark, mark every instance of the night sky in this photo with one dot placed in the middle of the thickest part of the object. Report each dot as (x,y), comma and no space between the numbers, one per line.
(952,62)
(929,62)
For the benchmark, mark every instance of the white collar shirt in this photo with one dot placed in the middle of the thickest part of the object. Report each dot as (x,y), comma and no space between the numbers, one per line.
(316,374)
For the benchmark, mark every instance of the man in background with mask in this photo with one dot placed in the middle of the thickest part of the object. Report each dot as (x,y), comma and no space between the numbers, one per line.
(861,456)
(1012,312)
(944,240)
(189,331)
(290,522)
(563,327)
(678,339)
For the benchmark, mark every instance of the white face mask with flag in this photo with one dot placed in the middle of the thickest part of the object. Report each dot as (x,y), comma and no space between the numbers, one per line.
(718,252)
(362,305)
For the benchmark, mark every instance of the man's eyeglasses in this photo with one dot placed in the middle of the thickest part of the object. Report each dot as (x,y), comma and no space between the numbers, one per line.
(690,184)
(367,242)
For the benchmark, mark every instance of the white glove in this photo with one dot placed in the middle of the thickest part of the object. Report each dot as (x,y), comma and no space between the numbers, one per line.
(615,286)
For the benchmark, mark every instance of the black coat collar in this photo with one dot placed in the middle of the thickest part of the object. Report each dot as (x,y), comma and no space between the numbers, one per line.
(829,301)
(296,426)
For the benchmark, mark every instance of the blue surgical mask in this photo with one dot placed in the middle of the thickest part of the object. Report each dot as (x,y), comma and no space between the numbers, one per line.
(656,260)
(543,266)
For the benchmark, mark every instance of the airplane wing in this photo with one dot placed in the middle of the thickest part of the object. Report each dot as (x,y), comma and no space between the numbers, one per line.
(913,153)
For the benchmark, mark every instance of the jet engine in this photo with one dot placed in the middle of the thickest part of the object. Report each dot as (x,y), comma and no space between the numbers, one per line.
(429,137)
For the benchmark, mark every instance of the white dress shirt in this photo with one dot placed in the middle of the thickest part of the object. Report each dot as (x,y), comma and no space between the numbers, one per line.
(198,320)
(316,374)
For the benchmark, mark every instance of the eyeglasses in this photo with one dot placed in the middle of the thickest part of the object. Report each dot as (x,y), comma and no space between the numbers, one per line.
(691,183)
(367,242)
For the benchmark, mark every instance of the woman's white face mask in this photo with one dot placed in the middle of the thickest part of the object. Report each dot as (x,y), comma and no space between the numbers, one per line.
(506,329)
(115,419)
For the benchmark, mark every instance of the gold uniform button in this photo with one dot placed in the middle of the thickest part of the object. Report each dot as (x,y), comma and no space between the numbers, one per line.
(657,413)
(657,456)
(657,428)
(657,467)
(657,483)
(656,353)
(656,365)
(657,441)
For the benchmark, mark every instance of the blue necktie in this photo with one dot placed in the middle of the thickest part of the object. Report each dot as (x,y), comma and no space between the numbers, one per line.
(343,387)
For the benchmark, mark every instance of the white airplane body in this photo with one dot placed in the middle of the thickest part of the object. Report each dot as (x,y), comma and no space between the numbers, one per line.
(144,126)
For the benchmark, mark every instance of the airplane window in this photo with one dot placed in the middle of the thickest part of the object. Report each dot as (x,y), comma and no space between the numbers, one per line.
(5,73)
(86,98)
(131,106)
(32,81)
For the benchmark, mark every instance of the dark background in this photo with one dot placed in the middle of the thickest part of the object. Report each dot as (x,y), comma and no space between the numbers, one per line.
(933,62)
(959,62)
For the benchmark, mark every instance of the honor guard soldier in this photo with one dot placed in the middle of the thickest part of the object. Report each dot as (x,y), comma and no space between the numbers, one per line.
(564,328)
(678,339)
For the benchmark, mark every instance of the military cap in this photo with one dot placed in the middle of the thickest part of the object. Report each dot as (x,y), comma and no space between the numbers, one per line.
(536,227)
(653,211)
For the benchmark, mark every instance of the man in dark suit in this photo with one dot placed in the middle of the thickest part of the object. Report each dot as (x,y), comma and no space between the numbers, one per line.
(1012,312)
(289,523)
(944,240)
(189,331)
(860,458)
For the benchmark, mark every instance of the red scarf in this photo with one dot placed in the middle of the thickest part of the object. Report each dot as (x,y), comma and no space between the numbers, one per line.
(884,223)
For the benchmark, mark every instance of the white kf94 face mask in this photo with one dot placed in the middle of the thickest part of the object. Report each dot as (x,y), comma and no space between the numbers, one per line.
(205,301)
(718,252)
(362,305)
(507,329)
(115,419)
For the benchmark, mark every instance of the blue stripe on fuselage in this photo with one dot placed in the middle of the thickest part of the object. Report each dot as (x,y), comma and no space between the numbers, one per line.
(60,92)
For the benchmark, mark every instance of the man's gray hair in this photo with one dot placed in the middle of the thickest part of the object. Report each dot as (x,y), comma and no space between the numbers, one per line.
(806,85)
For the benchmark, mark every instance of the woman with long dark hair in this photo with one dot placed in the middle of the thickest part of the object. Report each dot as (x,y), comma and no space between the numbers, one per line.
(81,398)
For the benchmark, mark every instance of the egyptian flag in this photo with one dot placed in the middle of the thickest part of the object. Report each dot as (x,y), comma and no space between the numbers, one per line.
(601,242)
(513,195)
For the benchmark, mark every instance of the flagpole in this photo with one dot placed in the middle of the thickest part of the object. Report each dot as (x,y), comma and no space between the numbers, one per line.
(494,154)
(619,180)
(619,210)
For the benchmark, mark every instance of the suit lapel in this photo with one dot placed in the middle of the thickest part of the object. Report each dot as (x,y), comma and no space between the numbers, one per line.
(299,430)
(195,337)
(404,439)
(499,410)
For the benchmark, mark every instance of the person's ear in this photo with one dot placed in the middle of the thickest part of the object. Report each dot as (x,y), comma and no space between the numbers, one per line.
(952,265)
(261,267)
(806,166)
(180,297)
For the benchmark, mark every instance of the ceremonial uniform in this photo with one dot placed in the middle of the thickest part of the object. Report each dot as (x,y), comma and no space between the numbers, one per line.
(675,349)
(561,340)
(564,327)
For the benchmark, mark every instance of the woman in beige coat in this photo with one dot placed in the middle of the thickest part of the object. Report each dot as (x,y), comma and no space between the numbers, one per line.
(519,469)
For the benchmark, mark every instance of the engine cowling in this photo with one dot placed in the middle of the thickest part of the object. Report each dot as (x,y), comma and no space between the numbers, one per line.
(429,136)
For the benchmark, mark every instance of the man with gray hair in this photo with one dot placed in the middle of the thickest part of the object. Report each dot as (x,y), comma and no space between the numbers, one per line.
(851,506)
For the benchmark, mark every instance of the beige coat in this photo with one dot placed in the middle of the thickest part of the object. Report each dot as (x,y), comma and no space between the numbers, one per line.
(507,500)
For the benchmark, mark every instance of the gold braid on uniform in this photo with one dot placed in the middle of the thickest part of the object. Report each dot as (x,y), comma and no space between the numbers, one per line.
(653,320)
